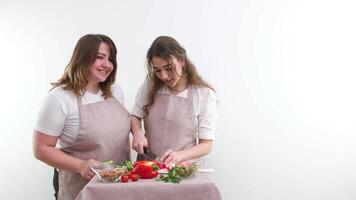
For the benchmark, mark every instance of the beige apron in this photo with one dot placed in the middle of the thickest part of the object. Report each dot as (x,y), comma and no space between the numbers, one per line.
(171,123)
(103,135)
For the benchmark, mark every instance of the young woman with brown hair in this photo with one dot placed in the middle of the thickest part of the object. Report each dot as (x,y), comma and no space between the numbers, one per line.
(83,121)
(178,107)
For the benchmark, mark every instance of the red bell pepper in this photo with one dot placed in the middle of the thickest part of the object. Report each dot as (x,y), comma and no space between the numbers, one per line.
(145,169)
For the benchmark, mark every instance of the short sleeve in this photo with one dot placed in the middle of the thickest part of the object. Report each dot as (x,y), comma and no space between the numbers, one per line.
(141,100)
(208,115)
(51,118)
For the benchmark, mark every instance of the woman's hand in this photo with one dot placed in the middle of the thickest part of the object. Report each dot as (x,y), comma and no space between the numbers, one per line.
(201,149)
(139,141)
(171,157)
(85,170)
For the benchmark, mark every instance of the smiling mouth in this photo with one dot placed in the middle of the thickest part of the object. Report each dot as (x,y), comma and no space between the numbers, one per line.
(170,82)
(104,71)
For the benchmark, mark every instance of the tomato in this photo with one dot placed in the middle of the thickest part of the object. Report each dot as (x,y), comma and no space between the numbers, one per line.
(129,174)
(124,178)
(134,177)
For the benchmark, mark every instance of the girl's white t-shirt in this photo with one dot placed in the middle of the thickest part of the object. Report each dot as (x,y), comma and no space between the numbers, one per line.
(59,115)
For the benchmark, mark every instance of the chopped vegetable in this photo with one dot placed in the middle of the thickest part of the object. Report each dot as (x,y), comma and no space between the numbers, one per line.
(160,164)
(177,173)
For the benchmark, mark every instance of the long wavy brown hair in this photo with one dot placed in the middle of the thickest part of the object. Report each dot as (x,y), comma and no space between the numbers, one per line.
(165,47)
(75,77)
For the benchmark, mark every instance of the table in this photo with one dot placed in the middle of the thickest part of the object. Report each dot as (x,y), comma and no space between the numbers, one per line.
(195,188)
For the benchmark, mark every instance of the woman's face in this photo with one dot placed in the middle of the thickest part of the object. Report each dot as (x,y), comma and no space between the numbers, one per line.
(102,66)
(170,72)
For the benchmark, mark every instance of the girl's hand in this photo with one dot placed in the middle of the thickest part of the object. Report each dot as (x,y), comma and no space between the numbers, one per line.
(85,170)
(171,157)
(139,141)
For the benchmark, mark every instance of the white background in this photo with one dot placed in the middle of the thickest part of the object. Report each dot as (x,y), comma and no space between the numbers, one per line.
(284,72)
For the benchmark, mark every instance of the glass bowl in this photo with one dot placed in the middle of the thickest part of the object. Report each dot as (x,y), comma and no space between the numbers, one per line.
(109,173)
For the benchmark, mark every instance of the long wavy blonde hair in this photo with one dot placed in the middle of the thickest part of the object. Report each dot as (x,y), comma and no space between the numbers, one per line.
(164,47)
(75,77)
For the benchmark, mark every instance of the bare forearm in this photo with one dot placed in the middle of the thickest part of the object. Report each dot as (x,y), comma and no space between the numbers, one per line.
(44,150)
(197,151)
(136,125)
(139,139)
(58,159)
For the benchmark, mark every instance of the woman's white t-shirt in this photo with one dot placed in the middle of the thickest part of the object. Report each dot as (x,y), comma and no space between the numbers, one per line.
(59,115)
(204,104)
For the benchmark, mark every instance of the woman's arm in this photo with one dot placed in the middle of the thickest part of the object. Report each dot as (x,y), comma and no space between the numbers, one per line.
(197,151)
(44,150)
(139,139)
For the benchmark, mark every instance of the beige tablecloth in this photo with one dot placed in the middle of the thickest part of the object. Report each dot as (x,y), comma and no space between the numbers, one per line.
(195,188)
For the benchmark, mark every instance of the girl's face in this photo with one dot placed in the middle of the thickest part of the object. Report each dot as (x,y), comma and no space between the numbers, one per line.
(102,66)
(170,72)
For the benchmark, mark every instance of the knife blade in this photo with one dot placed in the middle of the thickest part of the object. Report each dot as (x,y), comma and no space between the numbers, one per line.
(147,155)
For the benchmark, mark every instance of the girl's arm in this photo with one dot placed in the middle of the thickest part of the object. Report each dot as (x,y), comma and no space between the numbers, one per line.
(139,139)
(201,149)
(44,150)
